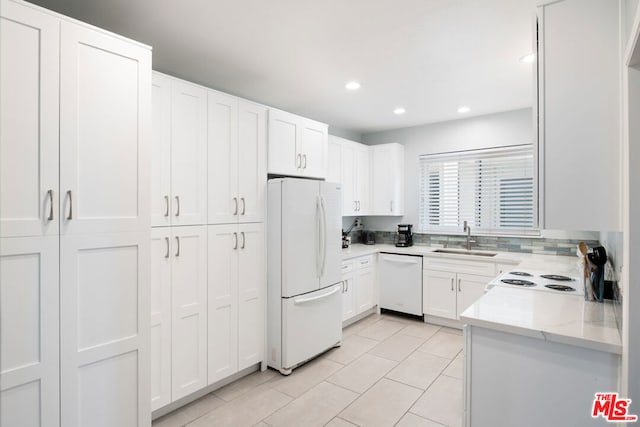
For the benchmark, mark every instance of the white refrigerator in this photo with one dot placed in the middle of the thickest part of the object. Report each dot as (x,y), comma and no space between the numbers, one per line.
(304,299)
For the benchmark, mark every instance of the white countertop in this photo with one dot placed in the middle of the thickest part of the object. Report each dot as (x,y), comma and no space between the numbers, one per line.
(567,319)
(555,263)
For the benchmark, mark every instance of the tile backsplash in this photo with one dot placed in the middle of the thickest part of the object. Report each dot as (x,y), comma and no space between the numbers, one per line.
(536,245)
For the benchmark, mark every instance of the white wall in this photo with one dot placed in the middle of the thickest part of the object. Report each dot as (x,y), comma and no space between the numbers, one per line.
(345,133)
(493,130)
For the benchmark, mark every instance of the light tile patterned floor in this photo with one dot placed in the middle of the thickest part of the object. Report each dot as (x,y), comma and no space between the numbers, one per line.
(389,371)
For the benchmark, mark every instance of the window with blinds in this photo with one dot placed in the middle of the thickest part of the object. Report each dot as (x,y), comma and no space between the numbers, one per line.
(494,190)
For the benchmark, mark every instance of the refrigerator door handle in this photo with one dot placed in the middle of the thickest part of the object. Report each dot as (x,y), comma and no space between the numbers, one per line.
(318,236)
(305,300)
(324,235)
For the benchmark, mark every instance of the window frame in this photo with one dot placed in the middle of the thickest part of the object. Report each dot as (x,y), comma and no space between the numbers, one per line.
(476,155)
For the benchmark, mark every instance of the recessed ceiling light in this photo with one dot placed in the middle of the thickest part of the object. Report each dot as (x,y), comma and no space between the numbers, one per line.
(528,59)
(399,111)
(464,109)
(352,85)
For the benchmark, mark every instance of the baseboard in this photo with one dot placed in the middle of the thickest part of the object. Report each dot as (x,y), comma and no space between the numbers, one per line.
(203,391)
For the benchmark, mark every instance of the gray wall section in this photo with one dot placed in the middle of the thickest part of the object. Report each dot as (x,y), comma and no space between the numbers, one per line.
(345,133)
(492,130)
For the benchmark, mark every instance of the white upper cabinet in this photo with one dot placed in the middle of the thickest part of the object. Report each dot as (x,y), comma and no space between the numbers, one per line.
(334,160)
(579,71)
(188,153)
(29,66)
(355,176)
(179,153)
(237,159)
(223,158)
(105,94)
(387,179)
(161,151)
(297,146)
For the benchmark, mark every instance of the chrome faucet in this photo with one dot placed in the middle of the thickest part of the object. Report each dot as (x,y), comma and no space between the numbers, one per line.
(467,229)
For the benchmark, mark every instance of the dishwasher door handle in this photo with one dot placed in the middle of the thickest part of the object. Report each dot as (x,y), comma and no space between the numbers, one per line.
(402,261)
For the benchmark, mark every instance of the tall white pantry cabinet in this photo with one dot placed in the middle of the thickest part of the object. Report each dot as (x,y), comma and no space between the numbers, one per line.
(74,222)
(208,249)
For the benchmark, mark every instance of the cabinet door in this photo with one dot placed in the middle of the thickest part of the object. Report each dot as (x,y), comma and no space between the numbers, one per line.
(334,160)
(362,178)
(29,87)
(104,330)
(160,317)
(223,301)
(349,204)
(251,293)
(313,147)
(365,282)
(252,162)
(189,315)
(29,370)
(188,153)
(470,289)
(222,138)
(284,130)
(580,119)
(105,132)
(387,179)
(439,293)
(348,296)
(161,151)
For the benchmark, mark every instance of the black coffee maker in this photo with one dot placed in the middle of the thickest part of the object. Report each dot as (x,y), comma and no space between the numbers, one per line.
(404,237)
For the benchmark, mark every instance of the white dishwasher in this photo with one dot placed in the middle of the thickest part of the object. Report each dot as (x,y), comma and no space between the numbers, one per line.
(400,278)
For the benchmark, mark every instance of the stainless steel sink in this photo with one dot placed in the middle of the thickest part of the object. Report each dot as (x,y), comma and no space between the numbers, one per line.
(464,252)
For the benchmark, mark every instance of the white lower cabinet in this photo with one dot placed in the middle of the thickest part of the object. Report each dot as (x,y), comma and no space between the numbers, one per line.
(358,286)
(450,287)
(178,312)
(29,331)
(236,285)
(104,359)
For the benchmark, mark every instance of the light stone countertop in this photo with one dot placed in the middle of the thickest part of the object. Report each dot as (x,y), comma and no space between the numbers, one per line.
(560,318)
(554,263)
(567,319)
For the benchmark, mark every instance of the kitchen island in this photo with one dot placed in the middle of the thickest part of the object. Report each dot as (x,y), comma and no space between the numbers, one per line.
(536,358)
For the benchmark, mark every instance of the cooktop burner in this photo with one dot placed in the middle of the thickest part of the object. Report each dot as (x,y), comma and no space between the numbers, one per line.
(517,282)
(520,273)
(563,288)
(556,277)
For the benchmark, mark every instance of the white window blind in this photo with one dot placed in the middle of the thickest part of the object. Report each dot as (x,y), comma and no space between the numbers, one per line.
(494,190)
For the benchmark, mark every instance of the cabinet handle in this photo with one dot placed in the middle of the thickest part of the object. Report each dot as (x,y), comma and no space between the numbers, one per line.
(391,207)
(177,205)
(235,201)
(235,236)
(242,233)
(166,202)
(244,206)
(70,216)
(166,255)
(304,157)
(459,289)
(452,284)
(358,205)
(178,246)
(347,283)
(50,195)
(298,161)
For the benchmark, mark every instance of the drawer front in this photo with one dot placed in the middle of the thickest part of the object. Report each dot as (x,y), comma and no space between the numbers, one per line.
(479,268)
(347,267)
(364,262)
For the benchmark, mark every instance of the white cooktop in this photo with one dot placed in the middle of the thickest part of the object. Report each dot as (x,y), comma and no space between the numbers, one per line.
(534,281)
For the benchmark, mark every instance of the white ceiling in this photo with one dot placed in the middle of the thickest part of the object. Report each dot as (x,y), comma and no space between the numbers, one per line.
(429,56)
